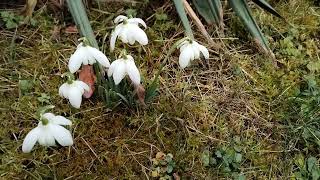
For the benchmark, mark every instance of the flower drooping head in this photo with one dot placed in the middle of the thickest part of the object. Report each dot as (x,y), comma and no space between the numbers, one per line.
(73,91)
(190,50)
(85,55)
(122,67)
(49,130)
(128,30)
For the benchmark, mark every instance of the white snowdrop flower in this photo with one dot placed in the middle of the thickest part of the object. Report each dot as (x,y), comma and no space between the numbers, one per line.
(190,50)
(128,31)
(123,66)
(86,55)
(73,90)
(49,130)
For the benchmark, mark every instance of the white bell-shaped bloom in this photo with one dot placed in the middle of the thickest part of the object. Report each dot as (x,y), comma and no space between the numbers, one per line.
(86,55)
(128,31)
(123,66)
(49,132)
(73,91)
(190,50)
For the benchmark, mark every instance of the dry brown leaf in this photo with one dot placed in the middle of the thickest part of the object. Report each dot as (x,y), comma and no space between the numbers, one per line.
(87,75)
(141,92)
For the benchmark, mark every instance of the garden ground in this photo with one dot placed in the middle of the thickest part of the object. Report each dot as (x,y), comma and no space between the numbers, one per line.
(231,116)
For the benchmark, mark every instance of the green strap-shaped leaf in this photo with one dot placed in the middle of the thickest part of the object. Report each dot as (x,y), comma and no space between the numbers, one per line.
(266,6)
(210,10)
(242,10)
(80,17)
(183,17)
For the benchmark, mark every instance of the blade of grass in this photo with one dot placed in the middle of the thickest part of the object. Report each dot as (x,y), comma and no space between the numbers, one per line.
(242,10)
(266,6)
(210,10)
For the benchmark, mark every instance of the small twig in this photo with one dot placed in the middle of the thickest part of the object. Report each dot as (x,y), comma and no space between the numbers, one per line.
(199,24)
(91,150)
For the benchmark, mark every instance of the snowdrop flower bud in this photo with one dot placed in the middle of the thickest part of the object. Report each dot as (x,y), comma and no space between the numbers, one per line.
(49,130)
(123,66)
(128,31)
(73,90)
(86,55)
(190,50)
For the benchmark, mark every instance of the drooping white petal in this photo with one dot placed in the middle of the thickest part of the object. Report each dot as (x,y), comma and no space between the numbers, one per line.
(196,51)
(113,65)
(114,36)
(137,21)
(76,59)
(204,51)
(139,35)
(133,71)
(64,90)
(119,72)
(60,120)
(99,56)
(75,97)
(82,85)
(46,139)
(130,34)
(62,135)
(185,57)
(45,136)
(119,19)
(124,33)
(30,140)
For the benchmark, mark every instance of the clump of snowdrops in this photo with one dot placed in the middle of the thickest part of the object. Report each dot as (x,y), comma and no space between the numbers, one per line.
(128,30)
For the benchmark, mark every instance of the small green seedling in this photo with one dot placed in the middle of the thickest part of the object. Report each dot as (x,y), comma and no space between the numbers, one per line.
(227,158)
(308,168)
(163,166)
(11,20)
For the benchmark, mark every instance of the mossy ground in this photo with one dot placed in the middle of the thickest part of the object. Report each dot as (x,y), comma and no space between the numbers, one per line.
(237,94)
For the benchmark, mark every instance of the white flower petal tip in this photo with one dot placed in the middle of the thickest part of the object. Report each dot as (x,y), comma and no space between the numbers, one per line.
(190,50)
(86,55)
(128,31)
(47,134)
(122,67)
(73,92)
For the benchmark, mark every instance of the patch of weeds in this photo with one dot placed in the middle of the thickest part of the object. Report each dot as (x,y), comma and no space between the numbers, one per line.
(306,120)
(228,159)
(163,166)
(307,168)
(10,19)
(44,98)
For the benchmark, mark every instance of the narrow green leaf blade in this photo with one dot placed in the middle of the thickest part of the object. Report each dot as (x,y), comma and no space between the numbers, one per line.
(242,10)
(266,6)
(183,16)
(210,10)
(80,17)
